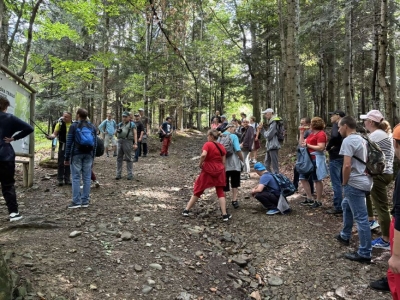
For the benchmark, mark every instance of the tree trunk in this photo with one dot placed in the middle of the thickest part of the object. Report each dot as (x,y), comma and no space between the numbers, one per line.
(375,53)
(283,64)
(383,45)
(5,279)
(292,70)
(255,74)
(347,62)
(105,71)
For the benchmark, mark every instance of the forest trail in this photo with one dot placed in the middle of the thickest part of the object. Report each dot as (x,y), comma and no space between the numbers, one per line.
(133,243)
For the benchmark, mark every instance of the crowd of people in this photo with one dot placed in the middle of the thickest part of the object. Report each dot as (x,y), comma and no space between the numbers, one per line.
(225,161)
(355,189)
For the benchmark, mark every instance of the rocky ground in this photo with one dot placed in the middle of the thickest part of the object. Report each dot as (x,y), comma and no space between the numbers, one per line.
(133,243)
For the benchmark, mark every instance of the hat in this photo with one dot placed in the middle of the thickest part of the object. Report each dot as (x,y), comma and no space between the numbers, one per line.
(373,115)
(230,125)
(259,167)
(338,112)
(125,114)
(223,116)
(396,132)
(136,114)
(140,109)
(268,110)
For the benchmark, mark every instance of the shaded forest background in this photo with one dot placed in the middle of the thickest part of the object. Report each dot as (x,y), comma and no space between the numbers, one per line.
(189,58)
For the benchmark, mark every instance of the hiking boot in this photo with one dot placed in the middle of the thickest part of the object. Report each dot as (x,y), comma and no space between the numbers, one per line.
(373,224)
(334,211)
(273,212)
(380,285)
(235,204)
(60,183)
(226,217)
(135,160)
(354,256)
(73,205)
(68,182)
(15,217)
(307,202)
(316,204)
(380,243)
(185,213)
(342,240)
(130,177)
(118,177)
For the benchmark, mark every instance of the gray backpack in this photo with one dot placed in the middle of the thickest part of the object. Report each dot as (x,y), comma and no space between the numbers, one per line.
(226,141)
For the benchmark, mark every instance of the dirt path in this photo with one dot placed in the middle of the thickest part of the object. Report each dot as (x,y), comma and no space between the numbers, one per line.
(133,243)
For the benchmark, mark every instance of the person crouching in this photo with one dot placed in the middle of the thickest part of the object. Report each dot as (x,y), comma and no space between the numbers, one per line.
(267,190)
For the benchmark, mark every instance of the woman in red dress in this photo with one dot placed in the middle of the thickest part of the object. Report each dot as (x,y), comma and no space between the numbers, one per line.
(212,165)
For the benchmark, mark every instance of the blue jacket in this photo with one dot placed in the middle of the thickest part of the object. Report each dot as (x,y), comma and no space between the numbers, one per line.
(9,125)
(70,149)
(320,162)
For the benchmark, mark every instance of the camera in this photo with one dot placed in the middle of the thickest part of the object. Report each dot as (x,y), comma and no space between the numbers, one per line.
(119,130)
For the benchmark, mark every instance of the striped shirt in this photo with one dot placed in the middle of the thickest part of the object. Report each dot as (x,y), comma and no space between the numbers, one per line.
(383,140)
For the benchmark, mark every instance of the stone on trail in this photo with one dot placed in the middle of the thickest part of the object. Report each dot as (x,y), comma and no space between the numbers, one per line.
(138,268)
(341,292)
(184,296)
(239,261)
(146,289)
(255,295)
(150,281)
(75,233)
(275,281)
(93,287)
(126,236)
(155,266)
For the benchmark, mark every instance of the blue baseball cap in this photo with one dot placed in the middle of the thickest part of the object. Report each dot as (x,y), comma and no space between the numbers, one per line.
(259,167)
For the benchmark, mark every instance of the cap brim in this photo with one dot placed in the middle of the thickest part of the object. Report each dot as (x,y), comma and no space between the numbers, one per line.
(363,117)
(331,113)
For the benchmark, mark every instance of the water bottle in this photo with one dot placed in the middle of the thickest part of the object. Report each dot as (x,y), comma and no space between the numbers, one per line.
(54,143)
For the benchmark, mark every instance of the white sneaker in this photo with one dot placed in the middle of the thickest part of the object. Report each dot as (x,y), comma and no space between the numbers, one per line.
(15,217)
(96,183)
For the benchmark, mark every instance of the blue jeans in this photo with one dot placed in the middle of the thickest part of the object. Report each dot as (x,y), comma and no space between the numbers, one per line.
(355,209)
(137,152)
(335,169)
(81,164)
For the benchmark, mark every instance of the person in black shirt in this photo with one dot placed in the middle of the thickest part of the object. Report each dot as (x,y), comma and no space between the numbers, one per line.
(9,125)
(140,133)
(393,273)
(336,162)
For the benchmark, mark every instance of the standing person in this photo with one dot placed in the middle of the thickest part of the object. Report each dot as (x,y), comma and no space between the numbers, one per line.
(315,144)
(146,124)
(223,123)
(216,115)
(212,165)
(9,125)
(246,144)
(167,129)
(336,162)
(256,144)
(232,165)
(393,273)
(60,132)
(79,154)
(108,128)
(214,123)
(233,118)
(271,135)
(305,131)
(140,133)
(356,183)
(373,122)
(127,139)
(242,116)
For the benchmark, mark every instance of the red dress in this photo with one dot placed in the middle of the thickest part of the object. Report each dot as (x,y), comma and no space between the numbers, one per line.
(213,170)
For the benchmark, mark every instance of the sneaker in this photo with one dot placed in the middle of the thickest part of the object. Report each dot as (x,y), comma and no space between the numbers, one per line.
(354,256)
(185,213)
(144,155)
(130,177)
(334,211)
(96,183)
(273,212)
(342,240)
(15,217)
(85,205)
(307,202)
(380,285)
(235,204)
(60,183)
(380,243)
(316,204)
(226,217)
(135,160)
(373,224)
(67,182)
(118,177)
(73,205)
(162,154)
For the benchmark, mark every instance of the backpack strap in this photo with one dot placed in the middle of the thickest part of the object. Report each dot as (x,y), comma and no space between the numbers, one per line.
(218,148)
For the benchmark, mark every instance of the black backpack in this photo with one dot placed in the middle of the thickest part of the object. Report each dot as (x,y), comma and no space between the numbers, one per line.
(287,187)
(99,147)
(375,164)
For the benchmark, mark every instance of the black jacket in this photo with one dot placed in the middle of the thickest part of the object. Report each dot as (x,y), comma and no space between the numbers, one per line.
(334,143)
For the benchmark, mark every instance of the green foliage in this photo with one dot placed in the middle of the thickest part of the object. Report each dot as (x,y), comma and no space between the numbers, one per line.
(53,31)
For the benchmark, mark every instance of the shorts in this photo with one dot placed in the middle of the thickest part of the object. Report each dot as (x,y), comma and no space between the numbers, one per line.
(109,139)
(313,174)
(235,180)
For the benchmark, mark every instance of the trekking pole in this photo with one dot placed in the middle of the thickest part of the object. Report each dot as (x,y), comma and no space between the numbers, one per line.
(39,128)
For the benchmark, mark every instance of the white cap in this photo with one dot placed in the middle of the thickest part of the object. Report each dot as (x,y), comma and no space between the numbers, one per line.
(268,110)
(140,109)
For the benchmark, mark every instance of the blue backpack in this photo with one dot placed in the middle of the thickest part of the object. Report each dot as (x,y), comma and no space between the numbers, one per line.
(304,164)
(84,137)
(287,187)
